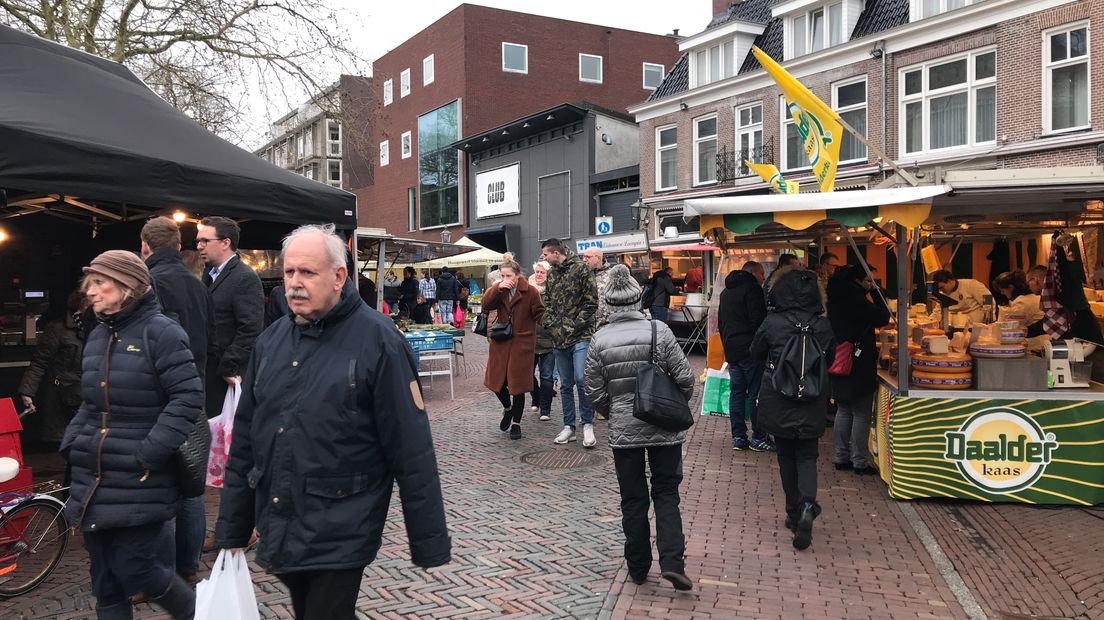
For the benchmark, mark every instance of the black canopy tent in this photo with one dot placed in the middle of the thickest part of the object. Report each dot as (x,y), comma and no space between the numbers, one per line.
(85,137)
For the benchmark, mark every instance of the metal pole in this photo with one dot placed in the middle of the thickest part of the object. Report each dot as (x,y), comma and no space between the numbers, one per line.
(903,274)
(380,261)
(877,151)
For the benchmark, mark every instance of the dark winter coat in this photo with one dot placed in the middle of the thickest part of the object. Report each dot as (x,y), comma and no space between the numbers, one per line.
(408,292)
(57,362)
(124,473)
(572,302)
(277,306)
(448,287)
(797,298)
(237,299)
(742,310)
(853,317)
(616,353)
(510,362)
(662,289)
(184,299)
(330,417)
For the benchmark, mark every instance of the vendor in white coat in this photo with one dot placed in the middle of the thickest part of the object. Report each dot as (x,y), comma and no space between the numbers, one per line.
(970,294)
(1021,295)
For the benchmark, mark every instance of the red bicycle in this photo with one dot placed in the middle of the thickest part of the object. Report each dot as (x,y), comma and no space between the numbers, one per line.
(33,535)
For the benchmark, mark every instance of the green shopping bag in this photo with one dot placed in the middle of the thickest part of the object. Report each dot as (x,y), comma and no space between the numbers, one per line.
(716,394)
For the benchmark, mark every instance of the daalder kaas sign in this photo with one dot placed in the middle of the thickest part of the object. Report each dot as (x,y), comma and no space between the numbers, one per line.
(498,192)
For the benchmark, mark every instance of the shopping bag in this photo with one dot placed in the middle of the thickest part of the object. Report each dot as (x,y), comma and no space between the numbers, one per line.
(222,427)
(458,318)
(228,593)
(716,393)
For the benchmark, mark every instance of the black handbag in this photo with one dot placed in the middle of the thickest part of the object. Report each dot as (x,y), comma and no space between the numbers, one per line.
(659,401)
(480,327)
(191,457)
(501,332)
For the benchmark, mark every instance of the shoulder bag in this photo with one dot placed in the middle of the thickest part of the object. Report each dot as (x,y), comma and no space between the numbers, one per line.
(501,332)
(191,457)
(659,401)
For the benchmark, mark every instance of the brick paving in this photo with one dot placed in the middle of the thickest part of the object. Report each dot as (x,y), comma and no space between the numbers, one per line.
(542,542)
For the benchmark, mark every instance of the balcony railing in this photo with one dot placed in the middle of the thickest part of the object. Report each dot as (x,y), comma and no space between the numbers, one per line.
(731,164)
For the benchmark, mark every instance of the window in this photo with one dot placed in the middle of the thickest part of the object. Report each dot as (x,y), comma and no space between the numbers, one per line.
(515,57)
(590,68)
(714,63)
(385,153)
(705,150)
(793,149)
(404,83)
(666,158)
(387,92)
(653,75)
(405,145)
(308,142)
(1066,79)
(411,208)
(333,139)
(427,70)
(334,176)
(817,29)
(849,100)
(439,166)
(931,8)
(949,103)
(749,135)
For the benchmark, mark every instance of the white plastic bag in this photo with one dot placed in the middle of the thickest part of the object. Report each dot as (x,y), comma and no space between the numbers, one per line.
(222,428)
(228,593)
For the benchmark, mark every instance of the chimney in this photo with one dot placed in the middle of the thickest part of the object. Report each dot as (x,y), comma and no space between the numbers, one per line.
(721,6)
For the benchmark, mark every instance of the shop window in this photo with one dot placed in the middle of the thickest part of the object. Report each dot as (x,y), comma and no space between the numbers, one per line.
(590,68)
(705,150)
(1066,93)
(439,166)
(653,75)
(666,158)
(849,100)
(515,58)
(949,104)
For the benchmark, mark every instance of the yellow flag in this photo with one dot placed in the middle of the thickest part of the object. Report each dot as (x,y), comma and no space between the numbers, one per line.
(771,175)
(816,123)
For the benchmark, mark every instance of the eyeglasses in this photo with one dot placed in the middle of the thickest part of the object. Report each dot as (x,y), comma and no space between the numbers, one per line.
(200,241)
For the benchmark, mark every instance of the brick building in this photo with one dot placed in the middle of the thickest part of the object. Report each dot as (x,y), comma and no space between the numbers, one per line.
(474,69)
(997,94)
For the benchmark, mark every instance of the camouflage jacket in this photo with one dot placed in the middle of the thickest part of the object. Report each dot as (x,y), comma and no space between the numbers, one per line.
(572,302)
(601,317)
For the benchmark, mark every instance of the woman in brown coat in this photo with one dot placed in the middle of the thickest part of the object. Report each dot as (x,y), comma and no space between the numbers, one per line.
(510,361)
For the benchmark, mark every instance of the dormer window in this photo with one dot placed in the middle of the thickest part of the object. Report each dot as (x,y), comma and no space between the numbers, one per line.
(930,8)
(716,54)
(714,63)
(813,25)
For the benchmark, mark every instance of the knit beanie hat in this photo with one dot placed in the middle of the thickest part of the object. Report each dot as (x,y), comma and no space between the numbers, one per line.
(123,267)
(622,292)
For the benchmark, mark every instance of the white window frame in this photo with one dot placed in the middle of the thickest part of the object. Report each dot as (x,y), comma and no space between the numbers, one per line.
(807,29)
(404,83)
(406,145)
(340,173)
(785,121)
(385,153)
(971,86)
(644,74)
(658,158)
(720,45)
(1048,66)
(865,106)
(698,139)
(388,92)
(600,68)
(428,70)
(521,45)
(749,129)
(918,8)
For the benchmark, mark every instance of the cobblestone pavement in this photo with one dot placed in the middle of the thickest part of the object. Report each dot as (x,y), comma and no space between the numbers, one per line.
(536,533)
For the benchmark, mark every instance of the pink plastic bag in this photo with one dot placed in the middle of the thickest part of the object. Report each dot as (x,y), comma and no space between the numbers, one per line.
(222,427)
(458,318)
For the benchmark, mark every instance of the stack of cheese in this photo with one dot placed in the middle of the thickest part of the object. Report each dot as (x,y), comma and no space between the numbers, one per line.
(938,367)
(1000,340)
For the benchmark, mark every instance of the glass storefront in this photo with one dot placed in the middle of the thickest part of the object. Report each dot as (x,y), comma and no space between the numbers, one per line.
(439,166)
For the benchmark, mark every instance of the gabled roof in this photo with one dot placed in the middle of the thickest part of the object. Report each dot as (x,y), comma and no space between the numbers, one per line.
(771,42)
(755,11)
(676,81)
(881,15)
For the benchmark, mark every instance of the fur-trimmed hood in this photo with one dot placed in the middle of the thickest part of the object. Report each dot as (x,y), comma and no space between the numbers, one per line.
(796,292)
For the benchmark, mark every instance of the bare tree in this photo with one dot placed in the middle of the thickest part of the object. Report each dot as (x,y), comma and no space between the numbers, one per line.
(202,56)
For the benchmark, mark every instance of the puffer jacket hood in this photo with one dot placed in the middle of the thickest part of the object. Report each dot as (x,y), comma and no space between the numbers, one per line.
(738,277)
(795,288)
(616,352)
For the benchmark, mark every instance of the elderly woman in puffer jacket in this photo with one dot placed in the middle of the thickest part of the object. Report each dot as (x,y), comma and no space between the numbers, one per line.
(616,352)
(138,407)
(544,361)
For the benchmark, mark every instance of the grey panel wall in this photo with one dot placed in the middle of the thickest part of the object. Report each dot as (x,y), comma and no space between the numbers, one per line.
(619,205)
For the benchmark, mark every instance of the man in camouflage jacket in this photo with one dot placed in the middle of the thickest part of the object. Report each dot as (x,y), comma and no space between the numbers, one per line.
(569,320)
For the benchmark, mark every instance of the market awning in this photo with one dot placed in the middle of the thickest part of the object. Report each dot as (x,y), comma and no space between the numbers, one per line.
(84,135)
(404,252)
(908,206)
(480,257)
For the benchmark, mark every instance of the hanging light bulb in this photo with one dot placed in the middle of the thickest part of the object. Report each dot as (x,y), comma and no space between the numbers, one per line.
(3,235)
(179,216)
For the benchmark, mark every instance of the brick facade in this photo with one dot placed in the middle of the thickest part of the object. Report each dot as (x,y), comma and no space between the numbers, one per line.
(466,44)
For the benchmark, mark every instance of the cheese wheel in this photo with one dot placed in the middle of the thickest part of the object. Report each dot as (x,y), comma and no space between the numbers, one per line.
(953,362)
(990,350)
(942,380)
(1014,336)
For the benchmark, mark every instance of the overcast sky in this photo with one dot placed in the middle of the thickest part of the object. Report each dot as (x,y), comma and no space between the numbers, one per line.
(377,26)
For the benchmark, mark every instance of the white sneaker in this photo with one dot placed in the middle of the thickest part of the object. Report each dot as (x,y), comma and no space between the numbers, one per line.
(565,436)
(588,436)
(545,417)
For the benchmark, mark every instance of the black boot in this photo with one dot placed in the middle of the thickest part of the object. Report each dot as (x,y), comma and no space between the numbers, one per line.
(803,530)
(179,600)
(122,611)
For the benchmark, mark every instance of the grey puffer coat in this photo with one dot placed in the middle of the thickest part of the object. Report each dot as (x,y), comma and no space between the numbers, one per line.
(616,352)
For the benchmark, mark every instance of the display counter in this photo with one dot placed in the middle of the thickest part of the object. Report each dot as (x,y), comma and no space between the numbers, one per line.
(1038,447)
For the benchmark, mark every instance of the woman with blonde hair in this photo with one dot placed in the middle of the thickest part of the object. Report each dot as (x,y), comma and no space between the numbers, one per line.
(512,338)
(544,361)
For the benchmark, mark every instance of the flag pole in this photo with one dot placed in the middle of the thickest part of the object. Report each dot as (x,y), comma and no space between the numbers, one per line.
(877,151)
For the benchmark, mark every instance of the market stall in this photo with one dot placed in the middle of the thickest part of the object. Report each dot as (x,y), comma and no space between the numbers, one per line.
(965,409)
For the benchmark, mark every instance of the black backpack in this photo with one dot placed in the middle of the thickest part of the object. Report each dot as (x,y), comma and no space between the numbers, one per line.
(801,372)
(647,296)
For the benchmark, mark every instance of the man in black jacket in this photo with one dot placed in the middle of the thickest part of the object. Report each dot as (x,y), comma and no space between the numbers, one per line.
(184,299)
(742,310)
(237,299)
(448,292)
(330,417)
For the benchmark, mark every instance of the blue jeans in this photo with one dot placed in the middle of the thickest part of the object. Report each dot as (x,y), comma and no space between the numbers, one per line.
(447,307)
(660,313)
(570,363)
(546,367)
(191,528)
(745,376)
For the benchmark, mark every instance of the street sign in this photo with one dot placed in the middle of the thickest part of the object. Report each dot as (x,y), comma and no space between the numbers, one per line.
(603,225)
(614,244)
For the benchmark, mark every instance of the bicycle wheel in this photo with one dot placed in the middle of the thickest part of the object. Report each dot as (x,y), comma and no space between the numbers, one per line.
(33,536)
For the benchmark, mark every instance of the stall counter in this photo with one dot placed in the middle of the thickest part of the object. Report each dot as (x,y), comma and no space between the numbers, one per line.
(1012,447)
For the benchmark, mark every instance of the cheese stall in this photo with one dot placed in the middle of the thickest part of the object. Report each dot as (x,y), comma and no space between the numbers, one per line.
(968,406)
